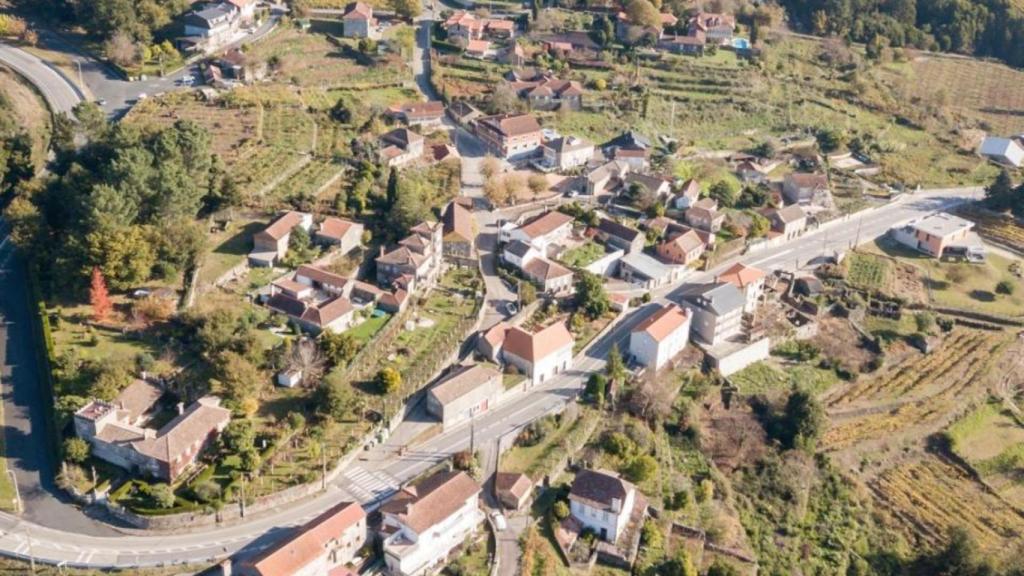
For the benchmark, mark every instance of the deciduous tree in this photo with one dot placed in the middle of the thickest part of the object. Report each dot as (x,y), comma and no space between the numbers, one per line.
(99,298)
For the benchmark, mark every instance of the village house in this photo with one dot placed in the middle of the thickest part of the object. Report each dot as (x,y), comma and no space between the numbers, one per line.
(210,27)
(424,522)
(489,342)
(1007,152)
(567,153)
(660,337)
(629,33)
(330,540)
(345,234)
(463,113)
(620,236)
(427,113)
(630,148)
(718,28)
(513,490)
(748,279)
(658,186)
(704,214)
(937,233)
(751,172)
(545,92)
(235,65)
(540,356)
(519,253)
(118,434)
(464,393)
(459,231)
(682,248)
(686,196)
(400,146)
(647,271)
(541,232)
(480,49)
(467,26)
(314,298)
(510,136)
(788,222)
(607,177)
(358,21)
(417,258)
(692,45)
(717,310)
(602,501)
(550,276)
(271,243)
(807,189)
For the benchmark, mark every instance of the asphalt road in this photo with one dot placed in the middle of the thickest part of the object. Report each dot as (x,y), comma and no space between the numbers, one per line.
(60,94)
(384,469)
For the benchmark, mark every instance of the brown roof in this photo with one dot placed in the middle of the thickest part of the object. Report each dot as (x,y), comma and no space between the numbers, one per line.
(358,11)
(138,398)
(518,485)
(462,381)
(320,275)
(708,204)
(282,226)
(740,275)
(478,46)
(308,543)
(599,487)
(324,314)
(333,227)
(613,228)
(545,224)
(790,213)
(458,220)
(663,323)
(536,347)
(394,300)
(290,285)
(428,503)
(511,124)
(807,180)
(495,336)
(543,269)
(420,110)
(179,435)
(402,256)
(401,138)
(687,241)
(690,189)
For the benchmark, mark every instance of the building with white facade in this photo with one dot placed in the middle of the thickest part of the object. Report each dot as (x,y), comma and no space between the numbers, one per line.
(271,243)
(661,336)
(717,311)
(1004,151)
(330,540)
(541,355)
(602,501)
(422,523)
(541,231)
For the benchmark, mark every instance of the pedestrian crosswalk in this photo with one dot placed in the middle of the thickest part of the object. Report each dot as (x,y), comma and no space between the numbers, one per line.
(369,486)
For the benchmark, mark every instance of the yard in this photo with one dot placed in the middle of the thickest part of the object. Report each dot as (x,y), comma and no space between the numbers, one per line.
(230,247)
(583,255)
(540,458)
(369,328)
(866,271)
(991,439)
(963,285)
(772,378)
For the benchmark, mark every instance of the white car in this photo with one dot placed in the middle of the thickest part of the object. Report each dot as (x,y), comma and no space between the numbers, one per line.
(499,521)
(143,96)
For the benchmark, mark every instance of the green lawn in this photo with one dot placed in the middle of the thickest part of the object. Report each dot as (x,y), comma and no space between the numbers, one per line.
(583,255)
(963,285)
(230,248)
(540,458)
(369,328)
(766,377)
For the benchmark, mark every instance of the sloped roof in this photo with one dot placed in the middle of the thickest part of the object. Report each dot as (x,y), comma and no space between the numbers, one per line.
(459,221)
(687,241)
(187,429)
(664,322)
(510,124)
(543,269)
(740,275)
(536,347)
(401,137)
(599,487)
(545,224)
(613,228)
(282,226)
(358,11)
(334,227)
(320,275)
(518,485)
(328,312)
(433,500)
(462,381)
(138,398)
(308,543)
(718,298)
(790,213)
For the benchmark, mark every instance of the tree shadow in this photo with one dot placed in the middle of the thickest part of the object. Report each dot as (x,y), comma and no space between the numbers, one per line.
(982,295)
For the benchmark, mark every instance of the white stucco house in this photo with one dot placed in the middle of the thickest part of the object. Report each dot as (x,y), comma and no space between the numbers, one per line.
(602,501)
(748,279)
(660,336)
(464,393)
(541,355)
(423,522)
(541,231)
(717,310)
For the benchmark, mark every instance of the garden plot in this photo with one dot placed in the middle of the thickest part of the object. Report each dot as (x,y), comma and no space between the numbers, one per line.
(229,127)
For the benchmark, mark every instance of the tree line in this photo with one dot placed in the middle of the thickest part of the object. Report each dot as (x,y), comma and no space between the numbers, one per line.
(992,28)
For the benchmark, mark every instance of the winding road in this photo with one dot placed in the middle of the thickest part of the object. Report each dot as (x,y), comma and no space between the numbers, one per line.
(75,540)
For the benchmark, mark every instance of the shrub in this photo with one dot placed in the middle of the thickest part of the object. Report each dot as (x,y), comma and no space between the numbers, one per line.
(560,510)
(1005,287)
(162,495)
(207,491)
(76,450)
(642,468)
(651,535)
(619,444)
(706,493)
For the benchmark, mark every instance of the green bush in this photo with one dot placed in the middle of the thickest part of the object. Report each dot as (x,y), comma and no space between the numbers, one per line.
(560,510)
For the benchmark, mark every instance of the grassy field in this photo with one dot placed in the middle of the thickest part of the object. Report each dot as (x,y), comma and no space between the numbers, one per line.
(991,439)
(963,285)
(30,111)
(767,377)
(229,248)
(369,328)
(540,458)
(583,255)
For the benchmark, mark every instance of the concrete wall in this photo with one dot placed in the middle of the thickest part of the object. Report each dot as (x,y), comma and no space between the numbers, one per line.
(607,265)
(740,359)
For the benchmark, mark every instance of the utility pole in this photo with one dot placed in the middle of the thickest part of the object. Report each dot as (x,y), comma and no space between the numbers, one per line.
(472,436)
(860,221)
(31,552)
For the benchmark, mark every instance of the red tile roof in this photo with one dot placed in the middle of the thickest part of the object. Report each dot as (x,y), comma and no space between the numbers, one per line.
(740,275)
(664,322)
(430,502)
(309,542)
(536,347)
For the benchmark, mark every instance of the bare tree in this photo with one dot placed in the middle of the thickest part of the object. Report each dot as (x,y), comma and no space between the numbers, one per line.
(306,356)
(121,50)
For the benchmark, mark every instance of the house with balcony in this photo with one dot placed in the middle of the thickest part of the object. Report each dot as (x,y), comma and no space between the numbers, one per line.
(425,521)
(416,260)
(717,310)
(510,136)
(748,279)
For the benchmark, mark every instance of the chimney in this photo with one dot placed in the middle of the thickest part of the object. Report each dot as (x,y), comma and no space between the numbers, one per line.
(225,567)
(149,433)
(616,505)
(381,250)
(181,408)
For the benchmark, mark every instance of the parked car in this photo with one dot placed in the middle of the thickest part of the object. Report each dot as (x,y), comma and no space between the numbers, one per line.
(499,521)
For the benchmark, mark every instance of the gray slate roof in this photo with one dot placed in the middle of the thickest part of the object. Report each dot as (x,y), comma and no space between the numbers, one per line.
(718,298)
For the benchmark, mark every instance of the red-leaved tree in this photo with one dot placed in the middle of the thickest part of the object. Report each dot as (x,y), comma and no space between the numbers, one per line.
(99,297)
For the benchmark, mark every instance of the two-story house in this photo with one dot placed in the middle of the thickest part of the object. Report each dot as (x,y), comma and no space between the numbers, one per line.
(510,136)
(602,501)
(210,27)
(807,189)
(748,279)
(459,230)
(541,355)
(661,336)
(423,522)
(717,310)
(417,258)
(934,234)
(620,236)
(567,153)
(358,21)
(330,540)
(464,393)
(400,146)
(271,243)
(788,222)
(717,28)
(542,231)
(346,235)
(682,248)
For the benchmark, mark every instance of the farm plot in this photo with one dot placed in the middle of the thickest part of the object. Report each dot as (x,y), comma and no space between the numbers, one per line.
(958,381)
(229,127)
(999,228)
(867,271)
(985,90)
(915,378)
(927,498)
(307,182)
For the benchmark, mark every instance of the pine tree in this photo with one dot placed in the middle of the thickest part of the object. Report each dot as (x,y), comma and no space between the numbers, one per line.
(99,297)
(392,191)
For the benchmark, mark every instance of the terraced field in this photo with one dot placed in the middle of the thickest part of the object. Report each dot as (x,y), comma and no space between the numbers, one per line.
(1000,228)
(929,497)
(925,394)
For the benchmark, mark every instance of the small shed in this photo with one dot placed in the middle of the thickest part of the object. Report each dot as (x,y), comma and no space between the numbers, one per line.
(289,378)
(512,489)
